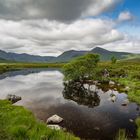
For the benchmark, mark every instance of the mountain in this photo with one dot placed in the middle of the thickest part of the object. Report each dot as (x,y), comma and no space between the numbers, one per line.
(24,57)
(64,57)
(2,60)
(104,54)
(69,55)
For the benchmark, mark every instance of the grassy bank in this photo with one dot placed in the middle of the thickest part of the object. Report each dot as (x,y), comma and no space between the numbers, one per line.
(16,123)
(4,67)
(127,74)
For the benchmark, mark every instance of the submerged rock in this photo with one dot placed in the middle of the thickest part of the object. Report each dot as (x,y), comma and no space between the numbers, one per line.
(54,127)
(97,128)
(55,119)
(130,120)
(13,98)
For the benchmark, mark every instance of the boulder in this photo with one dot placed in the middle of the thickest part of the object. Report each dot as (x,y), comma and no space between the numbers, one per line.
(13,98)
(55,119)
(125,102)
(113,98)
(54,127)
(111,83)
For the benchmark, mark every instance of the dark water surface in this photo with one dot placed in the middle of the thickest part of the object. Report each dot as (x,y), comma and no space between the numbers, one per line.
(87,116)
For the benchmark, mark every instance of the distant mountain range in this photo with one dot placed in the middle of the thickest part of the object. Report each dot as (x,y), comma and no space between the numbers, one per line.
(24,57)
(64,57)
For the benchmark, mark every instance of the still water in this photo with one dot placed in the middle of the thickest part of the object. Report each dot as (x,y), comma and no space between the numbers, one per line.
(87,116)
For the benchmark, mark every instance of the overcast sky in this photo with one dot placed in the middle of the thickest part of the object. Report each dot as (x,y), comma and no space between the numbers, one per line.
(50,27)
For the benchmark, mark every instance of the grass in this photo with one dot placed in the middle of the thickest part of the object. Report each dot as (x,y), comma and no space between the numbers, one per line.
(17,123)
(127,74)
(4,67)
(121,135)
(138,128)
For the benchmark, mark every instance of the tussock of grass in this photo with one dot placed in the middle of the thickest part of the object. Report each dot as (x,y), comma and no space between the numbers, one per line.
(17,123)
(138,125)
(121,135)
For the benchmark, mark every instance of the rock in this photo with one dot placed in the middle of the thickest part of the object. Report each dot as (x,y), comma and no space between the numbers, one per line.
(115,89)
(54,127)
(97,128)
(86,86)
(127,88)
(93,88)
(55,119)
(106,73)
(95,82)
(131,120)
(111,83)
(13,98)
(113,99)
(98,84)
(125,103)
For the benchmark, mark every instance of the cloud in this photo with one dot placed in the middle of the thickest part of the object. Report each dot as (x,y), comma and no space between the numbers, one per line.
(45,37)
(125,16)
(61,10)
(100,6)
(50,27)
(128,44)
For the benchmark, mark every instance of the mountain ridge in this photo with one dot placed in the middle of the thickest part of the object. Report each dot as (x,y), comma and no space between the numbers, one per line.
(64,57)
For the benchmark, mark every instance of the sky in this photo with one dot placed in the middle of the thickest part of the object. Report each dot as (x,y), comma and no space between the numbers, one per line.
(50,27)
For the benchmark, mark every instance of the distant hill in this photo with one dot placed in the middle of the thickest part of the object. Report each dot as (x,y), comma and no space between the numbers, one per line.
(69,55)
(104,54)
(24,57)
(133,58)
(3,60)
(64,57)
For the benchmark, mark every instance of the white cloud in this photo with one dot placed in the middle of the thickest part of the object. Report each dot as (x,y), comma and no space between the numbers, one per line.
(44,37)
(129,44)
(50,27)
(125,16)
(100,6)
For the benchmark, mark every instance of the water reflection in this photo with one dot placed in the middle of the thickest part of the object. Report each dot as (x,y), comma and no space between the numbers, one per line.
(95,118)
(77,92)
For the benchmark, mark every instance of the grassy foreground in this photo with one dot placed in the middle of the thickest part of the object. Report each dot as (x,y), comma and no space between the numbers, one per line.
(16,123)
